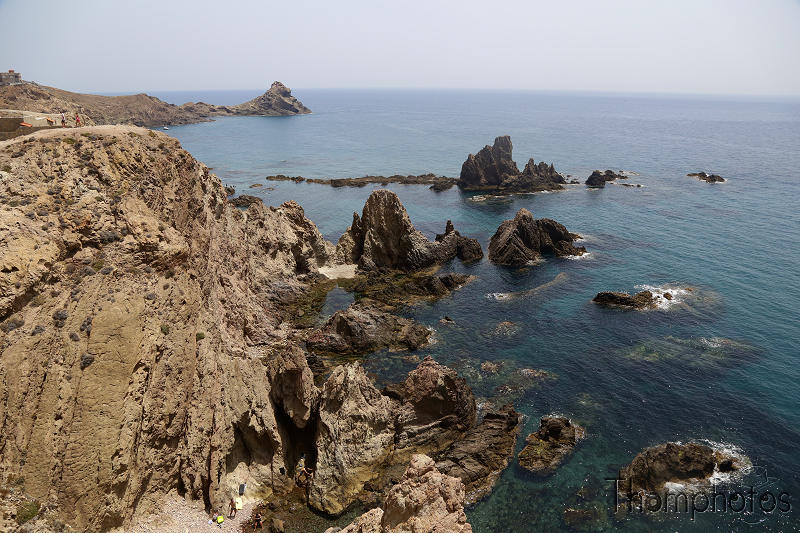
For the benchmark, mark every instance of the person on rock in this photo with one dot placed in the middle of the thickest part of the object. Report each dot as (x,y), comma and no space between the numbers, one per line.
(232,509)
(258,521)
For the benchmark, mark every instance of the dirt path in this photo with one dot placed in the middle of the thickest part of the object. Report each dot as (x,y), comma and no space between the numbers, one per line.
(178,516)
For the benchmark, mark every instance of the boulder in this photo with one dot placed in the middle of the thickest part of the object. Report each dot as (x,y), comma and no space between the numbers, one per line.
(640,300)
(483,453)
(424,500)
(364,328)
(599,178)
(672,462)
(524,239)
(493,168)
(383,236)
(546,449)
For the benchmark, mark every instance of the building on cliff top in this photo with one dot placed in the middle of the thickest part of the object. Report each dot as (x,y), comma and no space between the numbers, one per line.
(10,78)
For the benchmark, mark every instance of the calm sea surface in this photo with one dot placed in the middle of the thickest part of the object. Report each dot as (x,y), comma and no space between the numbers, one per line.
(722,364)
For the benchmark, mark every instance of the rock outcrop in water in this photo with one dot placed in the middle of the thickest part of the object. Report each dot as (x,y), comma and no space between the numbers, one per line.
(688,464)
(424,500)
(364,328)
(640,300)
(548,447)
(598,179)
(483,453)
(708,178)
(384,237)
(524,239)
(493,169)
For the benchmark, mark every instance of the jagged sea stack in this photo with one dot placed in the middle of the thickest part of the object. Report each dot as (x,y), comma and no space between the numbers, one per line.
(524,239)
(494,169)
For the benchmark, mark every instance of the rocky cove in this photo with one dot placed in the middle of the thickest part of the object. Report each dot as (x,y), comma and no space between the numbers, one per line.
(154,339)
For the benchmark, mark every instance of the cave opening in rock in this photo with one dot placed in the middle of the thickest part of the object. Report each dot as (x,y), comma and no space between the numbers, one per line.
(297,441)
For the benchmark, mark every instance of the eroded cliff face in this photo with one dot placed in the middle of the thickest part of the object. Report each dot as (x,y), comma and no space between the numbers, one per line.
(140,347)
(146,347)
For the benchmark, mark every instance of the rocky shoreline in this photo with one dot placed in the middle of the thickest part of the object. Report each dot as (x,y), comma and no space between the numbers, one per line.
(141,109)
(158,337)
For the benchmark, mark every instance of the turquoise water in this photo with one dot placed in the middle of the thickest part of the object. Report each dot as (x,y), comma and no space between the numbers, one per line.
(633,379)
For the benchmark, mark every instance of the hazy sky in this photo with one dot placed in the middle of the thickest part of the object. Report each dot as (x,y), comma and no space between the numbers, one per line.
(681,46)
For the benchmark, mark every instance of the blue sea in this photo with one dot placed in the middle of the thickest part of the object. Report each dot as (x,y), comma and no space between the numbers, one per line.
(720,364)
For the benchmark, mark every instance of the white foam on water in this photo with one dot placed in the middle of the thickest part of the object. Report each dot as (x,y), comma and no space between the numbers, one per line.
(678,295)
(582,257)
(499,296)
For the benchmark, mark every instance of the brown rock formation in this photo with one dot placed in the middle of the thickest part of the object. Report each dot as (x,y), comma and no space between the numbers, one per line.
(524,239)
(144,311)
(364,328)
(483,453)
(383,236)
(547,448)
(362,432)
(494,169)
(423,500)
(140,109)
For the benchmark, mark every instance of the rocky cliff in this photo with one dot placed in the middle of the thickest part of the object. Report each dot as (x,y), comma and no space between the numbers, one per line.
(145,344)
(138,309)
(141,109)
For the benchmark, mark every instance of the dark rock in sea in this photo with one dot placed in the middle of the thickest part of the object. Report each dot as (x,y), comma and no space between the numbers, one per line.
(229,190)
(493,169)
(393,288)
(640,300)
(245,200)
(483,453)
(524,239)
(383,236)
(364,328)
(709,178)
(690,463)
(599,178)
(546,449)
(467,249)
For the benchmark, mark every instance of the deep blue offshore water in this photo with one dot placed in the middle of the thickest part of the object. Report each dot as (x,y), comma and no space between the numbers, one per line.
(722,365)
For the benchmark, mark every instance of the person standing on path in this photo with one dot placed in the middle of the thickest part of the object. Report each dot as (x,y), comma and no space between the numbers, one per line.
(232,509)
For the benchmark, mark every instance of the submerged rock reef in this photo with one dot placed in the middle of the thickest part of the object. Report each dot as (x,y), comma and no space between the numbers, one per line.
(524,239)
(494,169)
